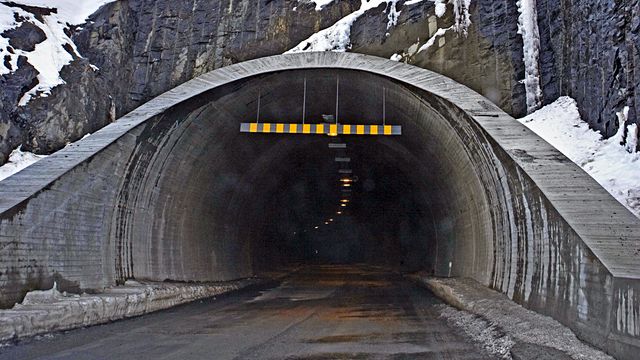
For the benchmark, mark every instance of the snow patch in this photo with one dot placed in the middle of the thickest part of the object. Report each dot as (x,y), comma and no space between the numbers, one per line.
(432,40)
(49,56)
(461,24)
(337,37)
(18,160)
(320,4)
(528,28)
(612,162)
(441,7)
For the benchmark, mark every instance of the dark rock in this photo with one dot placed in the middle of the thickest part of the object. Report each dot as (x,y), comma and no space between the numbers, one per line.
(144,47)
(25,37)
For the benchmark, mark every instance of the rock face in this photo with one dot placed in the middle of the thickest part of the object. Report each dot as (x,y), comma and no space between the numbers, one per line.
(591,52)
(143,48)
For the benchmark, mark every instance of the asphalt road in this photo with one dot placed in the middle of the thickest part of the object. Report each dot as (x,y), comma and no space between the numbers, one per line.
(320,312)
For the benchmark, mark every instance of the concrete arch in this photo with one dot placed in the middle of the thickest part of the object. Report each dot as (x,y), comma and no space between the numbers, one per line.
(489,199)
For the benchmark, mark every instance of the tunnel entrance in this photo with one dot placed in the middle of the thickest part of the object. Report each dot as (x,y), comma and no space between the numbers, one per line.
(174,191)
(230,203)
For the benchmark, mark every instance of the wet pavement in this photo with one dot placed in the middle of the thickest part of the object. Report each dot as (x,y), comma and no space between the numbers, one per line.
(320,312)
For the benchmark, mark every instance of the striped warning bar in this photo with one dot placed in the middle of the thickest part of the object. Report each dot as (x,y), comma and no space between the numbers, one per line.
(320,129)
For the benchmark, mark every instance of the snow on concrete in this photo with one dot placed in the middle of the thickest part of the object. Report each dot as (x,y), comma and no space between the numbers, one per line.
(48,311)
(337,37)
(49,56)
(612,162)
(503,316)
(18,160)
(528,28)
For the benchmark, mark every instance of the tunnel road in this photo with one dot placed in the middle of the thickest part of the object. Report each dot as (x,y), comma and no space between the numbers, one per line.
(319,312)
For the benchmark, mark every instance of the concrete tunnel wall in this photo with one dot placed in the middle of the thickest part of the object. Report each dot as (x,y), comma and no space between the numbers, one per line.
(173,191)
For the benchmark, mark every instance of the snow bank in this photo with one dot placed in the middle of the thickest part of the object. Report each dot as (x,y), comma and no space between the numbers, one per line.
(18,160)
(49,56)
(503,323)
(49,310)
(528,28)
(337,37)
(615,166)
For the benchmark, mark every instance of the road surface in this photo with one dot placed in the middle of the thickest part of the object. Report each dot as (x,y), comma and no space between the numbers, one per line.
(320,312)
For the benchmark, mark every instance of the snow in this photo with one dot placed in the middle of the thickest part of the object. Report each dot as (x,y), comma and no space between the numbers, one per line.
(461,24)
(433,38)
(337,36)
(462,15)
(441,7)
(18,160)
(497,323)
(612,162)
(396,57)
(413,2)
(528,28)
(49,310)
(49,56)
(320,4)
(74,12)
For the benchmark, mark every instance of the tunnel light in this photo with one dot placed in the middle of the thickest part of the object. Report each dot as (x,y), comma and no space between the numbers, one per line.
(339,212)
(343,159)
(346,180)
(346,184)
(326,223)
(330,220)
(343,205)
(315,227)
(337,146)
(344,200)
(332,134)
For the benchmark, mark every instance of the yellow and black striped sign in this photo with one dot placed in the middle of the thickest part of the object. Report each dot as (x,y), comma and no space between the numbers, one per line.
(320,129)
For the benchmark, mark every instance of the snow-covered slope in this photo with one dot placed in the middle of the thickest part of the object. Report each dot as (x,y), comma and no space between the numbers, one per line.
(337,36)
(616,167)
(56,50)
(18,160)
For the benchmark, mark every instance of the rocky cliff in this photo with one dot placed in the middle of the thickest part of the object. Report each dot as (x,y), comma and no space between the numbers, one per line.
(133,50)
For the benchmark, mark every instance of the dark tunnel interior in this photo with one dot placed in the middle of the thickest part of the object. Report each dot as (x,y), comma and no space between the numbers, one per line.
(221,204)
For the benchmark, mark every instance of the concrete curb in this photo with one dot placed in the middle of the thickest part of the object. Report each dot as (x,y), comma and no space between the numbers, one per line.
(49,311)
(524,327)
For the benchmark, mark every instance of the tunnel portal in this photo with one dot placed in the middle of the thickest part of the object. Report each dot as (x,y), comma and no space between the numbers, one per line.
(175,191)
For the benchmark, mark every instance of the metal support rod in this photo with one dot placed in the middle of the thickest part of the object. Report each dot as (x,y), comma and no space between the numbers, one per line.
(384,106)
(304,100)
(337,95)
(258,113)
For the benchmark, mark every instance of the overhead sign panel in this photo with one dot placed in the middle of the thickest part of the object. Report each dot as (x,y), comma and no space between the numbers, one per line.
(320,129)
